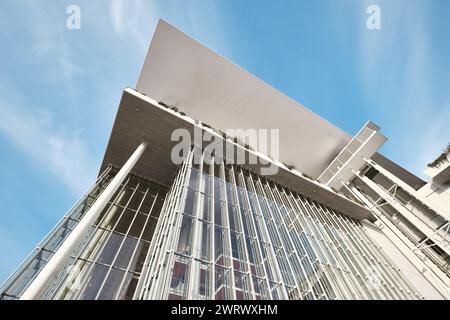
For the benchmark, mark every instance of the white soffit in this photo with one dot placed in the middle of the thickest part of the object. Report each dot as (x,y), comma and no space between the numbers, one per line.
(182,73)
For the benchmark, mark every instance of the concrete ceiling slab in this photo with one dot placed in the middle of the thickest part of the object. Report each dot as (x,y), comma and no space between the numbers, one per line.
(140,118)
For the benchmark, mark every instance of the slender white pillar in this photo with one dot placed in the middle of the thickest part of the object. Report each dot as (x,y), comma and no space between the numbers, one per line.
(53,267)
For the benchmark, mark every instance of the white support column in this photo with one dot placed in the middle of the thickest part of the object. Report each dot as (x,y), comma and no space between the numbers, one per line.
(53,267)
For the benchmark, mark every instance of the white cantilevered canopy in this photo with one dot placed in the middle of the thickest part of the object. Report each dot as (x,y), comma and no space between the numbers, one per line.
(182,73)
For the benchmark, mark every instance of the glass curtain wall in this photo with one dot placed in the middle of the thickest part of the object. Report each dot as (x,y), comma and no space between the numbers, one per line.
(108,262)
(227,233)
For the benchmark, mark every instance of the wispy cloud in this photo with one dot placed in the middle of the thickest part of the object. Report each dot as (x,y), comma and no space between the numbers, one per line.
(134,18)
(416,114)
(58,151)
(51,47)
(137,19)
(55,146)
(69,69)
(59,92)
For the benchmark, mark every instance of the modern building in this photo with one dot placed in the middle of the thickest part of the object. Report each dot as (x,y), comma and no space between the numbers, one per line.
(334,220)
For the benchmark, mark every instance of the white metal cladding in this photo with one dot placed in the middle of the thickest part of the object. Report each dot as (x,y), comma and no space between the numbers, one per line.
(424,229)
(363,146)
(225,233)
(181,72)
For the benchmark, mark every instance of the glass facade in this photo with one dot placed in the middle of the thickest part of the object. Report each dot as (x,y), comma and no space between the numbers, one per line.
(218,232)
(108,262)
(226,233)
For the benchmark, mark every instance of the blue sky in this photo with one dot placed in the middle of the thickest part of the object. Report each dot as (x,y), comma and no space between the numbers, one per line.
(59,89)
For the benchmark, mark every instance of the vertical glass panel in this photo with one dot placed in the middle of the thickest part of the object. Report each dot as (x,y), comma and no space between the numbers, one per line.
(112,284)
(275,213)
(60,235)
(207,185)
(80,210)
(305,240)
(125,254)
(231,198)
(219,212)
(193,179)
(129,287)
(204,281)
(189,202)
(140,255)
(136,200)
(276,290)
(206,207)
(184,241)
(124,196)
(286,272)
(247,223)
(179,278)
(242,198)
(298,274)
(133,182)
(251,250)
(149,229)
(106,253)
(223,284)
(261,289)
(295,236)
(218,189)
(287,245)
(205,244)
(273,234)
(219,245)
(253,204)
(125,221)
(157,206)
(259,224)
(138,225)
(13,290)
(257,268)
(147,204)
(85,282)
(234,245)
(239,284)
(267,264)
(233,217)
